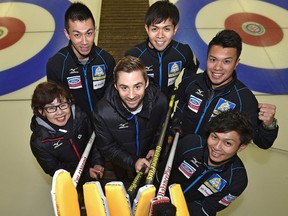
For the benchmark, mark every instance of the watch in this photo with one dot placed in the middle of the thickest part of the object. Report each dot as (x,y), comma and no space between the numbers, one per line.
(272,126)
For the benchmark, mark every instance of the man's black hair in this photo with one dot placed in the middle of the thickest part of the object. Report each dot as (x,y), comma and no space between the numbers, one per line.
(231,120)
(227,39)
(77,11)
(161,11)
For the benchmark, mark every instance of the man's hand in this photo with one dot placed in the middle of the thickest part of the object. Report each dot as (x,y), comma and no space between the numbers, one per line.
(150,155)
(266,113)
(142,162)
(96,172)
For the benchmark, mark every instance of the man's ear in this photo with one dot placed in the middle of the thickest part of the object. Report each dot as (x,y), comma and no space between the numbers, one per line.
(237,62)
(67,34)
(242,147)
(146,28)
(41,111)
(175,29)
(147,83)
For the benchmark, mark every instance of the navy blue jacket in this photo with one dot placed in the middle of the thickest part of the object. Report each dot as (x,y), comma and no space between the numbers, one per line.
(123,137)
(164,67)
(198,103)
(86,82)
(207,189)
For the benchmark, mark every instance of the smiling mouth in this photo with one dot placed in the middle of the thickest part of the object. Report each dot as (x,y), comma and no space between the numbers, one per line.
(216,154)
(216,75)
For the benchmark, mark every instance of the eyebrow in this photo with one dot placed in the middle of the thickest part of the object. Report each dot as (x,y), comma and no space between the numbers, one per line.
(77,31)
(218,58)
(154,25)
(139,83)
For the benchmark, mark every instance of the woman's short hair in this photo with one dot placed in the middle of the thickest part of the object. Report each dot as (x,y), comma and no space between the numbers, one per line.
(46,93)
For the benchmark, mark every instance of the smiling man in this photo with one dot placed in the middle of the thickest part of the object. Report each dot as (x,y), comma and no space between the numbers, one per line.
(205,95)
(129,118)
(83,67)
(164,58)
(209,171)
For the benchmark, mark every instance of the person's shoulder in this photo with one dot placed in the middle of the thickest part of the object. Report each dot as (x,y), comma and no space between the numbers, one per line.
(181,46)
(137,49)
(190,143)
(105,102)
(242,88)
(238,167)
(194,140)
(102,52)
(60,55)
(155,91)
(191,80)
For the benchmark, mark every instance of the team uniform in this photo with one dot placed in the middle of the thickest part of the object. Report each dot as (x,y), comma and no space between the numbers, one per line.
(123,137)
(164,67)
(198,103)
(61,147)
(87,81)
(207,189)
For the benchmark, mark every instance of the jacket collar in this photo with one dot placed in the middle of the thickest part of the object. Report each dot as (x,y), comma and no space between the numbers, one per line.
(227,87)
(92,54)
(113,98)
(155,52)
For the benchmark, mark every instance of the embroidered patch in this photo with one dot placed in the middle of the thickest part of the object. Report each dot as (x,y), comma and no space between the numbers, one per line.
(171,81)
(223,105)
(215,183)
(98,84)
(174,68)
(194,103)
(98,72)
(186,169)
(123,125)
(196,162)
(149,68)
(227,200)
(74,82)
(56,145)
(205,190)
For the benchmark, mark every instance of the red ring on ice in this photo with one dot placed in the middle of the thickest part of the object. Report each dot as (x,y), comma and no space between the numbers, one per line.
(15,30)
(255,29)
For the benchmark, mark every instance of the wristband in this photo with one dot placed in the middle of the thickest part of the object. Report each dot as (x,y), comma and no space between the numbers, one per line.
(272,126)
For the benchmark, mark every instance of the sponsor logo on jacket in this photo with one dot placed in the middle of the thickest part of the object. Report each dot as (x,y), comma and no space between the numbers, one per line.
(74,82)
(223,105)
(213,184)
(227,200)
(186,169)
(194,103)
(123,125)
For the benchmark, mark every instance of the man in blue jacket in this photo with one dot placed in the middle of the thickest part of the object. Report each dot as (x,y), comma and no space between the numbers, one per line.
(128,120)
(84,68)
(204,95)
(209,171)
(164,57)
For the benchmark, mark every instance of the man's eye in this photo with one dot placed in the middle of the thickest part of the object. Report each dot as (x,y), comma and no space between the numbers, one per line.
(228,143)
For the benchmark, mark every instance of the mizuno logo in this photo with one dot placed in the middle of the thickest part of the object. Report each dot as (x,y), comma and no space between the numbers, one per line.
(73,70)
(195,162)
(149,68)
(56,145)
(122,126)
(199,92)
